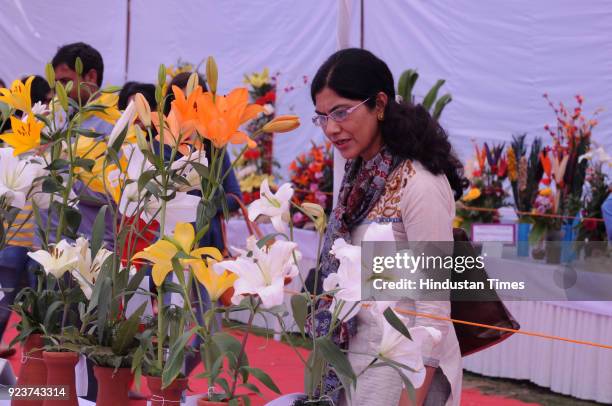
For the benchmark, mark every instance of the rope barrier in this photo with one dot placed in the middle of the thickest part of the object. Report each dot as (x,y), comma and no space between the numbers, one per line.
(528,213)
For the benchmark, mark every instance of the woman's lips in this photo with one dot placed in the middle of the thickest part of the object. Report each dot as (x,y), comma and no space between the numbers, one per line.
(342,144)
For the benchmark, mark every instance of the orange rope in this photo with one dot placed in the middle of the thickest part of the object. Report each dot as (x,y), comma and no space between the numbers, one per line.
(527,213)
(509,330)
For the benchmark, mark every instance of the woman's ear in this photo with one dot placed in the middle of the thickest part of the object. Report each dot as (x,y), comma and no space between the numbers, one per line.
(381,102)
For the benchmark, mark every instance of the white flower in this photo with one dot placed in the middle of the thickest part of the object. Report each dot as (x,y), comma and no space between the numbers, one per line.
(17,177)
(347,278)
(600,154)
(181,209)
(398,348)
(263,273)
(274,205)
(127,117)
(63,257)
(191,174)
(88,269)
(268,109)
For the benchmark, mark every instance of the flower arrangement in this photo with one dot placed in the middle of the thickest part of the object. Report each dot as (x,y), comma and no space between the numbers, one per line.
(312,179)
(486,175)
(524,172)
(571,138)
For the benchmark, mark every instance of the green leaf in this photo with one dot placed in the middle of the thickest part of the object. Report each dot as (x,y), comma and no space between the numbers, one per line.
(299,307)
(200,169)
(314,371)
(335,357)
(145,177)
(229,345)
(58,164)
(406,84)
(174,364)
(127,331)
(88,133)
(97,234)
(52,185)
(103,306)
(396,323)
(73,219)
(432,94)
(84,163)
(120,138)
(440,104)
(263,378)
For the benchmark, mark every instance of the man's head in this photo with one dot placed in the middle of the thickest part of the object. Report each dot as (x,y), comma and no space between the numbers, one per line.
(93,68)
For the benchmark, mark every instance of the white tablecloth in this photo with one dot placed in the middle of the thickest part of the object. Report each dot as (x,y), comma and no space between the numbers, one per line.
(581,371)
(307,241)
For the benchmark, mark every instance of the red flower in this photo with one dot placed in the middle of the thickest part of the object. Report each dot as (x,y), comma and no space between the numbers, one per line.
(139,238)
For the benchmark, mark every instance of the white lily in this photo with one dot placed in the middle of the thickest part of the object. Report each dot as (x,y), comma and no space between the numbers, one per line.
(274,205)
(17,177)
(88,269)
(126,118)
(183,164)
(347,279)
(62,258)
(599,153)
(398,348)
(263,273)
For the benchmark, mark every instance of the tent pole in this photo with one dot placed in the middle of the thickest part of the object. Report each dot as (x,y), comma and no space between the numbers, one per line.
(127,39)
(361,25)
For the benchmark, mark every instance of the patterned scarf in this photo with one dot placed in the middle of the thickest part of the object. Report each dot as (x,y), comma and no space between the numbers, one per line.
(363,184)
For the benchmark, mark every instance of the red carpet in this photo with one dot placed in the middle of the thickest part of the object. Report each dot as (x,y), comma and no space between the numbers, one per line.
(285,368)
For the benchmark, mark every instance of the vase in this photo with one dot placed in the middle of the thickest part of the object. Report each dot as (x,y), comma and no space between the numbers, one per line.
(205,402)
(568,250)
(299,399)
(33,371)
(113,386)
(522,246)
(60,372)
(553,246)
(170,395)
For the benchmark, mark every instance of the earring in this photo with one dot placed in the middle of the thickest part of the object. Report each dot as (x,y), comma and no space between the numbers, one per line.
(381,116)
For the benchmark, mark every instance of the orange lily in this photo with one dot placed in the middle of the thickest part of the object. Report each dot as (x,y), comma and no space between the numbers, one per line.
(219,117)
(18,96)
(175,131)
(25,135)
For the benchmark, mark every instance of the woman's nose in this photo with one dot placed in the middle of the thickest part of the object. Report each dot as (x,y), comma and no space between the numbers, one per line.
(332,128)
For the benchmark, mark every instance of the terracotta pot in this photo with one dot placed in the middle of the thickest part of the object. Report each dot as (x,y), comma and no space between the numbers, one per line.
(170,394)
(33,371)
(60,372)
(205,402)
(113,386)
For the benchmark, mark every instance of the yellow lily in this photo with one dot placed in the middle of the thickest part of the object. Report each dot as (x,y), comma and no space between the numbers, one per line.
(473,194)
(18,96)
(216,285)
(160,255)
(25,135)
(111,113)
(257,79)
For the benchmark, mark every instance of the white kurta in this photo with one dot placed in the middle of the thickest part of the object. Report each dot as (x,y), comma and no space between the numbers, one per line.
(426,207)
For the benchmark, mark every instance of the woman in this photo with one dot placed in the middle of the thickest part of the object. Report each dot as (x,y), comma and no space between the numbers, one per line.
(402,174)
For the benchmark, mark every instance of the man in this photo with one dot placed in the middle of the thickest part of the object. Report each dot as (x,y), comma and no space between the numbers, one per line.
(83,86)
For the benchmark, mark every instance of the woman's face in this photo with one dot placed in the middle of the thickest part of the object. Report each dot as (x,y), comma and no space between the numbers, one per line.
(359,133)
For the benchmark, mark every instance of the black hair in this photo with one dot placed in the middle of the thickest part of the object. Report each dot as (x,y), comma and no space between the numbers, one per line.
(39,91)
(407,130)
(180,81)
(131,88)
(90,57)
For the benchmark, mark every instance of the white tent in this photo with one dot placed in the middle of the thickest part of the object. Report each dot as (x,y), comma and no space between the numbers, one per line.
(498,58)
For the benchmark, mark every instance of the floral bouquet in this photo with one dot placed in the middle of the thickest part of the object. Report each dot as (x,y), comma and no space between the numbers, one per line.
(524,172)
(312,179)
(486,193)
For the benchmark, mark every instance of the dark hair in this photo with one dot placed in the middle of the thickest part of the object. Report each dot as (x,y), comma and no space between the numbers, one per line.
(39,91)
(131,88)
(180,81)
(2,84)
(407,130)
(90,57)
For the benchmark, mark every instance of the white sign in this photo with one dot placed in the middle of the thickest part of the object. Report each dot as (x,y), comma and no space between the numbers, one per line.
(504,233)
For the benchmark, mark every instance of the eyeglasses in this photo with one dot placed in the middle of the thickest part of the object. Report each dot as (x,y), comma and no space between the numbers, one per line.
(338,115)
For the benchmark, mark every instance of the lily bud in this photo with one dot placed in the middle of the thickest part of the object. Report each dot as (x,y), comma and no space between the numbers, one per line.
(62,96)
(141,139)
(143,109)
(212,74)
(192,83)
(50,75)
(282,124)
(318,213)
(78,66)
(161,75)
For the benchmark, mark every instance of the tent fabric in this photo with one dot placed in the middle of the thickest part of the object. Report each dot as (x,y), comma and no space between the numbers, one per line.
(497,58)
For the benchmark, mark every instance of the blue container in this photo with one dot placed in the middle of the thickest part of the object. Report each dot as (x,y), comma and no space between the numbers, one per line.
(522,246)
(568,250)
